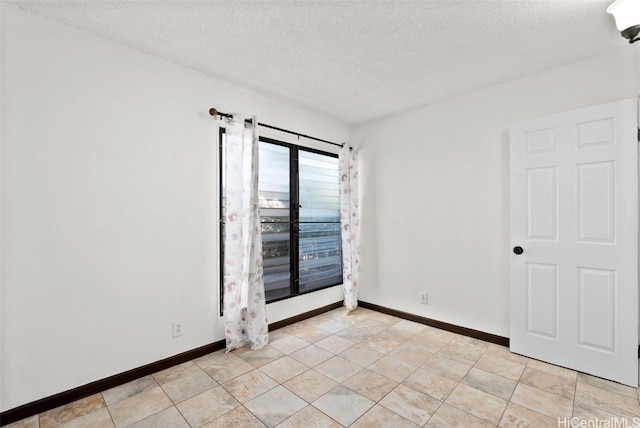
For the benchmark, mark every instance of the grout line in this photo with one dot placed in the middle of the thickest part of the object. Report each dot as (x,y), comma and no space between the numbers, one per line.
(108,410)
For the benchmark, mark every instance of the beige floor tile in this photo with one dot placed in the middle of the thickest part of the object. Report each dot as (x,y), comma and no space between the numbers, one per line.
(477,403)
(396,334)
(335,344)
(225,367)
(292,328)
(361,355)
(606,400)
(129,389)
(310,385)
(471,343)
(570,375)
(338,368)
(309,417)
(100,418)
(490,383)
(288,344)
(342,316)
(311,355)
(392,368)
(273,336)
(319,319)
(449,417)
(380,344)
(249,385)
(333,326)
(205,407)
(216,357)
(387,319)
(410,354)
(460,352)
(503,353)
(517,416)
(542,402)
(381,417)
(189,385)
(275,406)
(237,418)
(311,334)
(354,334)
(283,369)
(176,372)
(139,406)
(586,411)
(429,383)
(608,385)
(410,404)
(370,384)
(168,418)
(500,366)
(436,333)
(259,357)
(372,325)
(340,313)
(410,326)
(71,411)
(430,344)
(30,422)
(446,367)
(343,405)
(549,382)
(359,313)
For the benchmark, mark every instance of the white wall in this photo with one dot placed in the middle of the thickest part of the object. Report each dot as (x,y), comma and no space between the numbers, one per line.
(435,207)
(109,206)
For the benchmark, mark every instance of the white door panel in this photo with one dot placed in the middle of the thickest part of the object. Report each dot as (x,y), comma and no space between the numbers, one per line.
(542,299)
(574,212)
(542,203)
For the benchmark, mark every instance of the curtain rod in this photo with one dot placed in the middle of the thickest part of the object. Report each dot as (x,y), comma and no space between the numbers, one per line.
(214,112)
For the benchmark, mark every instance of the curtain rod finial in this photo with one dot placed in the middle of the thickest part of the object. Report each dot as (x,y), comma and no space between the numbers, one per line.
(213,112)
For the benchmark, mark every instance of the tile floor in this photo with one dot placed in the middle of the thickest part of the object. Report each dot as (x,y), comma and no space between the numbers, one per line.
(363,370)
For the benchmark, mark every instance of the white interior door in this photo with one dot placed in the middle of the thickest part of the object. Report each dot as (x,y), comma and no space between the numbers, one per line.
(574,214)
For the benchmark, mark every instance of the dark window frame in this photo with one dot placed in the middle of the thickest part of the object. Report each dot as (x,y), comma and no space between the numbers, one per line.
(294,219)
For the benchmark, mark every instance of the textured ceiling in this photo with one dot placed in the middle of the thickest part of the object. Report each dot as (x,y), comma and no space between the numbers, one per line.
(353,60)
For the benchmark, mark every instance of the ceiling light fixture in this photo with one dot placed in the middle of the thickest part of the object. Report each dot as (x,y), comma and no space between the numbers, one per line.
(627,16)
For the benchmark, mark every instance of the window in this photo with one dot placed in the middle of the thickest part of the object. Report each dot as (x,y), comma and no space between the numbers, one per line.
(299,200)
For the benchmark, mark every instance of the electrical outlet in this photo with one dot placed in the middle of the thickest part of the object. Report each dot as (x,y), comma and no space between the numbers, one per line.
(178,328)
(424,297)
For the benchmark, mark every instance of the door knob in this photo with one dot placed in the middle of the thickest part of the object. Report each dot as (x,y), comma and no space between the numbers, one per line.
(518,250)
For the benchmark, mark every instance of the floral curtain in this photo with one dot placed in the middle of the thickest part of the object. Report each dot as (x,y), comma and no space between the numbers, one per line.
(350,225)
(245,318)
